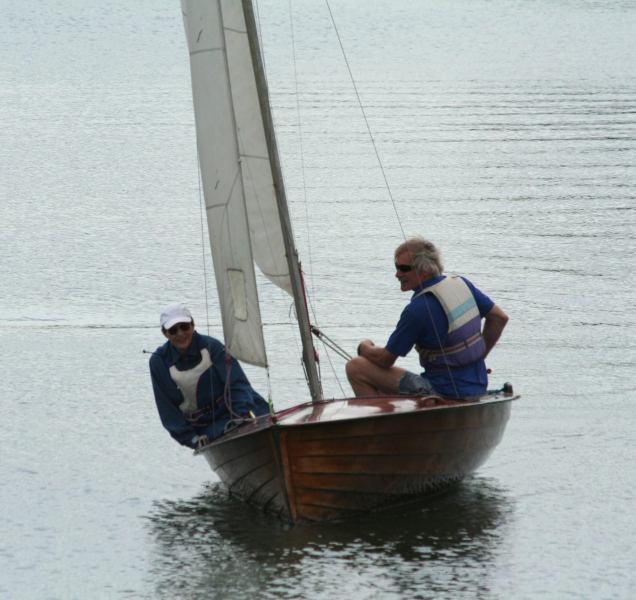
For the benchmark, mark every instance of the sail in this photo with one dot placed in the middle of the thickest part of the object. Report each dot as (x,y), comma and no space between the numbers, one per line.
(240,199)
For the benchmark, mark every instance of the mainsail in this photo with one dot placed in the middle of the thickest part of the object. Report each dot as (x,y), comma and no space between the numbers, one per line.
(240,198)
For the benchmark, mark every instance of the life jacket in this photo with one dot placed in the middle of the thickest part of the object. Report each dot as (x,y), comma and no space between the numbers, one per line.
(464,343)
(188,381)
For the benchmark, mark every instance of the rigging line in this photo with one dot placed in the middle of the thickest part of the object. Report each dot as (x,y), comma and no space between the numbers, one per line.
(261,42)
(270,400)
(244,165)
(329,342)
(336,349)
(388,187)
(327,346)
(301,153)
(257,18)
(366,121)
(261,46)
(299,352)
(333,369)
(439,341)
(310,295)
(205,271)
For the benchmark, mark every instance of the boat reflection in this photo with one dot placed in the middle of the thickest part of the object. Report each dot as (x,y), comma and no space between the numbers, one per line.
(216,544)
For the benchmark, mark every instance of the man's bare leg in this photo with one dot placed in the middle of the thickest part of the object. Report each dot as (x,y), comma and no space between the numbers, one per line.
(367,379)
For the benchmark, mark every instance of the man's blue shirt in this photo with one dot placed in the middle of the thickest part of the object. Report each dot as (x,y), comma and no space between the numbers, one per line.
(424,322)
(210,393)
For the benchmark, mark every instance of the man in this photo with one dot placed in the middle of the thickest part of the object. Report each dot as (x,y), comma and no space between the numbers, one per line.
(443,322)
(199,389)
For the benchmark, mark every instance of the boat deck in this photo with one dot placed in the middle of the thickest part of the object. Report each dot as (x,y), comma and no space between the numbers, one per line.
(347,409)
(356,408)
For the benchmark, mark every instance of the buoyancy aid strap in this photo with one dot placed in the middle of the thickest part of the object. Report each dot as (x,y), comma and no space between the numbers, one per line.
(465,343)
(430,354)
(205,411)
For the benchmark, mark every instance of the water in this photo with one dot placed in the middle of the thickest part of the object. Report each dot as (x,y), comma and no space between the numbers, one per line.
(507,133)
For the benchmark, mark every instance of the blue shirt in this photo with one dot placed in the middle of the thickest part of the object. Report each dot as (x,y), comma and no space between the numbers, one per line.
(424,322)
(210,394)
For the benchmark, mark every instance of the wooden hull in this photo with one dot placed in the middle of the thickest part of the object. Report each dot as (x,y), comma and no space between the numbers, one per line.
(338,458)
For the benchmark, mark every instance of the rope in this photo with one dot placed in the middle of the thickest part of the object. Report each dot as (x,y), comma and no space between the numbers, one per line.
(386,182)
(270,400)
(366,121)
(327,341)
(205,272)
(301,148)
(439,341)
(310,295)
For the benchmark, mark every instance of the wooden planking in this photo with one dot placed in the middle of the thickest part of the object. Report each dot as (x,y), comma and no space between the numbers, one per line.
(328,470)
(320,514)
(433,464)
(361,483)
(394,444)
(249,468)
(351,467)
(242,467)
(356,500)
(342,501)
(237,449)
(326,505)
(250,480)
(367,476)
(269,497)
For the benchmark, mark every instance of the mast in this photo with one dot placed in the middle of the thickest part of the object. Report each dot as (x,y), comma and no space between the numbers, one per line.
(309,356)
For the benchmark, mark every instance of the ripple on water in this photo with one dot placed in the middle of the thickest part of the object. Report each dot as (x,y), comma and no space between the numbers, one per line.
(214,542)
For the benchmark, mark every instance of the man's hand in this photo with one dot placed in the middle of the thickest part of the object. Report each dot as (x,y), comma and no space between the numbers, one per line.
(364,344)
(202,441)
(376,354)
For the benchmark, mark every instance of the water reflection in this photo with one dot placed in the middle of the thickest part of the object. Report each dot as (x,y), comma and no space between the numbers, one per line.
(215,546)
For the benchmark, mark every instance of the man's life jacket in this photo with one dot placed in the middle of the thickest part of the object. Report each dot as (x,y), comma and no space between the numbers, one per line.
(464,343)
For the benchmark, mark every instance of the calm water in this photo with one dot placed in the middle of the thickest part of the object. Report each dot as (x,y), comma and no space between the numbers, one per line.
(507,131)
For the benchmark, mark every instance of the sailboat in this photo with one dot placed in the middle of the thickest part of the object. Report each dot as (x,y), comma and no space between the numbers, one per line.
(323,459)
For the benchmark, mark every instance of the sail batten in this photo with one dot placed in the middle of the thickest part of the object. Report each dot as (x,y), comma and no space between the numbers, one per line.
(241,208)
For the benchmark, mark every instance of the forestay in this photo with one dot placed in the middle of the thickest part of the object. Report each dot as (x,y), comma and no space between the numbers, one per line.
(242,214)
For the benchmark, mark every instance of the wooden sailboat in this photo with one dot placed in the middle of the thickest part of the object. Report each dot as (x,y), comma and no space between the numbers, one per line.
(324,459)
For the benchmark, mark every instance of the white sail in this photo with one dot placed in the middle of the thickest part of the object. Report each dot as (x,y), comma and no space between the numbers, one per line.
(242,213)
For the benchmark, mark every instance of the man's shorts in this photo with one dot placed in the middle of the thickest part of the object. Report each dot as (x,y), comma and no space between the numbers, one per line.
(413,384)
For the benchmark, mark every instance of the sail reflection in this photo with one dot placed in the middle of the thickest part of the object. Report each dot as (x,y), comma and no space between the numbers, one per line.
(216,545)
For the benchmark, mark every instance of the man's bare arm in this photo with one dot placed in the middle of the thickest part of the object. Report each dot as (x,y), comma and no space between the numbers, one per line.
(494,324)
(376,354)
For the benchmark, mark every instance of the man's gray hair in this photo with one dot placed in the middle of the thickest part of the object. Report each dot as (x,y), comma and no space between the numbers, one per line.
(426,258)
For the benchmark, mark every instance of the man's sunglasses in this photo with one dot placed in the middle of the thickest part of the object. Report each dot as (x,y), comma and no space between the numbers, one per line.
(403,268)
(179,326)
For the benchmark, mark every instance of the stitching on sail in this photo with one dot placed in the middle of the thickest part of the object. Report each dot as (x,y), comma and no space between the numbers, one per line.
(206,50)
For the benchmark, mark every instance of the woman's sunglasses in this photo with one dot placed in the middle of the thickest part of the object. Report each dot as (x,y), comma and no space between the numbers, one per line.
(403,268)
(179,327)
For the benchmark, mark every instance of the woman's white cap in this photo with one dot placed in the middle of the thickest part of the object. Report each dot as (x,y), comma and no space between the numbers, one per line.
(173,314)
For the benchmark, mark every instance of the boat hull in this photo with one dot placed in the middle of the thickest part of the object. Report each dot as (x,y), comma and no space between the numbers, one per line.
(339,458)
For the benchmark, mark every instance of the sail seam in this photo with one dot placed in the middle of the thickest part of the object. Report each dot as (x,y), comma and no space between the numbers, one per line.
(257,156)
(203,50)
(225,203)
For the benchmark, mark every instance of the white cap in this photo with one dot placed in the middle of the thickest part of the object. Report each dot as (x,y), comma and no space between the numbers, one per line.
(173,314)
